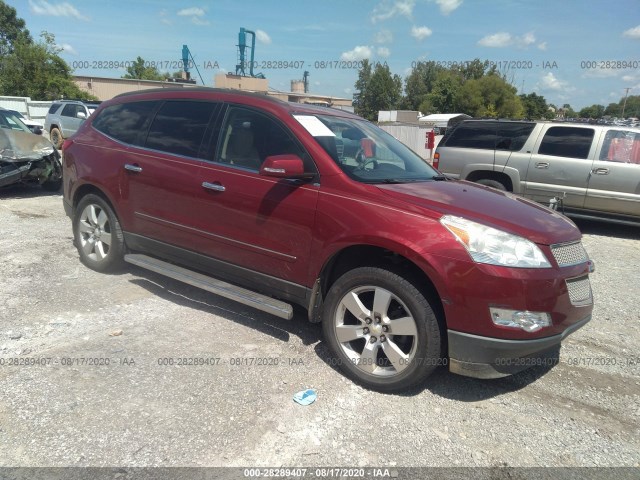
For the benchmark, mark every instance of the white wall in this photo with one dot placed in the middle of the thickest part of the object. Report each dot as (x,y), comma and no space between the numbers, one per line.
(32,109)
(413,136)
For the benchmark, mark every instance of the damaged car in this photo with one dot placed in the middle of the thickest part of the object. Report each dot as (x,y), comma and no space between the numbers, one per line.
(26,157)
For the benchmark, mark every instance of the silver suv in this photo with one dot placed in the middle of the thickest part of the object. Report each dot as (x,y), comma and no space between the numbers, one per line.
(590,171)
(65,117)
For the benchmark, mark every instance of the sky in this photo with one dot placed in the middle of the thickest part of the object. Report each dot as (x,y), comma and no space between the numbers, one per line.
(580,52)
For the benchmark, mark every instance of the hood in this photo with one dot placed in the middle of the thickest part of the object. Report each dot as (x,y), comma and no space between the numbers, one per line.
(18,146)
(501,210)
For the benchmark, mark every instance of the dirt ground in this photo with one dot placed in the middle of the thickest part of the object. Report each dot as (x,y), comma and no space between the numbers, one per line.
(92,374)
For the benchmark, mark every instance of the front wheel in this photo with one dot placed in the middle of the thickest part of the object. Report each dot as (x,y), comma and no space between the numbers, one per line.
(381,329)
(97,234)
(56,138)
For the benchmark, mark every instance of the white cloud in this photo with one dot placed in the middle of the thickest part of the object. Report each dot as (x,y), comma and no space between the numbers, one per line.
(633,33)
(163,14)
(358,53)
(448,6)
(383,52)
(64,9)
(383,36)
(191,12)
(68,49)
(388,9)
(505,39)
(497,40)
(420,33)
(527,39)
(347,90)
(196,14)
(550,82)
(262,37)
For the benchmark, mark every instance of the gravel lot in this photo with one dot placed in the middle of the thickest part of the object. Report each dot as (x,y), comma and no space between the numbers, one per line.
(137,412)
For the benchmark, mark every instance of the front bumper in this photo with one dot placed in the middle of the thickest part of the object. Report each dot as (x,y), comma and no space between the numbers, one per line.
(484,357)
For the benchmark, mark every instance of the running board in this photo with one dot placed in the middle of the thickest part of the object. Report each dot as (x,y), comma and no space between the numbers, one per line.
(226,290)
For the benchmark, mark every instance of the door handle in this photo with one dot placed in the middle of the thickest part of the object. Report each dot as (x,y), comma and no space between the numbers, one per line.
(600,171)
(213,186)
(542,165)
(132,168)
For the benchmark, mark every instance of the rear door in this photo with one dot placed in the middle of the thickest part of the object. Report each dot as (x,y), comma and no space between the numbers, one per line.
(161,184)
(614,184)
(70,120)
(561,165)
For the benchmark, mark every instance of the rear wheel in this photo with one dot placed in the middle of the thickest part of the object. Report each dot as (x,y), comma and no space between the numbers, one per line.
(56,138)
(381,329)
(97,234)
(492,183)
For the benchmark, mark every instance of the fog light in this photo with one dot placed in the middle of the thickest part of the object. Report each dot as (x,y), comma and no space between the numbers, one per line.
(526,320)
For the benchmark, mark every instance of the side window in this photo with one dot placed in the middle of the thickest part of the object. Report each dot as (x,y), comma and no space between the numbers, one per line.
(69,110)
(248,137)
(126,122)
(53,108)
(513,136)
(179,127)
(621,146)
(569,142)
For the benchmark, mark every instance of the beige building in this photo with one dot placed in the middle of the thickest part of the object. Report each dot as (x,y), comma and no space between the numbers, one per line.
(297,95)
(107,88)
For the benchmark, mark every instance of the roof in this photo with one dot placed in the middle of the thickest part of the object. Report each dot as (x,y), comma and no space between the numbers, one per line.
(442,117)
(229,94)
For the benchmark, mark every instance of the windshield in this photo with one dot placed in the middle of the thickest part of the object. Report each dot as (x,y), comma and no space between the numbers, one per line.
(10,121)
(365,152)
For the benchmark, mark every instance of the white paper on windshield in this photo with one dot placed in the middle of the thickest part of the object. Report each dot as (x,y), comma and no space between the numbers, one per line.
(314,126)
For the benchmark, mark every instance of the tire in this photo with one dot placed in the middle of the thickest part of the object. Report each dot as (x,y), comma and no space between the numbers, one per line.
(98,235)
(361,312)
(56,138)
(492,183)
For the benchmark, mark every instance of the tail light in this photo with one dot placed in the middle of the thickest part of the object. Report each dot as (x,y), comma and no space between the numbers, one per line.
(436,160)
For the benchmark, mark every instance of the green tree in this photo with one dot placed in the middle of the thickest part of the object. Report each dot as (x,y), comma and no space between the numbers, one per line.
(594,111)
(613,110)
(490,96)
(632,106)
(377,90)
(419,84)
(12,29)
(35,70)
(443,97)
(534,105)
(140,70)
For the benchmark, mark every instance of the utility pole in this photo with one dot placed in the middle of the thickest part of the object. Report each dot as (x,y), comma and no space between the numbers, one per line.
(625,101)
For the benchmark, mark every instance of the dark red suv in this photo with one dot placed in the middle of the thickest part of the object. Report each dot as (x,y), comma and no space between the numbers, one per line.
(272,203)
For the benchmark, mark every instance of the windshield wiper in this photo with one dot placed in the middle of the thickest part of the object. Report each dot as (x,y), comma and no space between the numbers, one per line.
(440,178)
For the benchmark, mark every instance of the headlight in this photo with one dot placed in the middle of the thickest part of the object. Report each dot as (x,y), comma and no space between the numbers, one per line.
(495,247)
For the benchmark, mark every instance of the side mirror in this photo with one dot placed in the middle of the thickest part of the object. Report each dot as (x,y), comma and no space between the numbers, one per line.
(81,115)
(284,166)
(37,130)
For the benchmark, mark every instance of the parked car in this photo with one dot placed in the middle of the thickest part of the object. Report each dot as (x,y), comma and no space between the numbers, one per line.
(405,269)
(25,157)
(32,125)
(591,171)
(64,117)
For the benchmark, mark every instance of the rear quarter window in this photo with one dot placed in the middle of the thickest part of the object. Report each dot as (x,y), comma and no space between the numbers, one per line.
(489,135)
(126,122)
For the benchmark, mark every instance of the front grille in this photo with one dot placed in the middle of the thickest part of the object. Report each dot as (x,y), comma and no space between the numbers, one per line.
(569,254)
(580,291)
